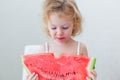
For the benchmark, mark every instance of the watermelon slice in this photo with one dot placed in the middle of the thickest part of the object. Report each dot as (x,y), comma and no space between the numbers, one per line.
(66,67)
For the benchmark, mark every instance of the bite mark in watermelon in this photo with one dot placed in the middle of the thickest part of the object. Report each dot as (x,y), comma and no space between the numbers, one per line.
(66,67)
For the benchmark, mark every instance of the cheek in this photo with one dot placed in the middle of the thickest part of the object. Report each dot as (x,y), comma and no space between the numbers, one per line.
(52,33)
(69,32)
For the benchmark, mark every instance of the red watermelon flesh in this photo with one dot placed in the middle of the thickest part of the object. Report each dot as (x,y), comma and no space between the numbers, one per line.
(66,67)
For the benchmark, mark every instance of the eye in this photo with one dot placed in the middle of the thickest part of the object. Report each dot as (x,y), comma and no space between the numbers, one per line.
(66,27)
(53,28)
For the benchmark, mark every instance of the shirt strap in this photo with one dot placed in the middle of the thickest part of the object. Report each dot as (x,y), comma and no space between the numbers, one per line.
(78,49)
(46,47)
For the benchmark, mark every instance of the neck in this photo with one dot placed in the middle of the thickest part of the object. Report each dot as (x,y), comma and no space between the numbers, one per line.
(66,43)
(63,47)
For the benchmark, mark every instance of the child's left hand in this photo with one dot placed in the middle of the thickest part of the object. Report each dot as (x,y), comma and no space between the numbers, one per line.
(92,75)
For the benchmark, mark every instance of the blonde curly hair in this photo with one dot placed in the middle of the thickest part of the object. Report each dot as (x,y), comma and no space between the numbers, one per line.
(67,7)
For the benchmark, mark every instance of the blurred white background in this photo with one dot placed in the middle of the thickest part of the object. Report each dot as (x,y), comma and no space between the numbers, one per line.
(20,25)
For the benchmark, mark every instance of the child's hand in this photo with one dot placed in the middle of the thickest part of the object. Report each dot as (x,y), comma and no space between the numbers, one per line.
(92,75)
(32,76)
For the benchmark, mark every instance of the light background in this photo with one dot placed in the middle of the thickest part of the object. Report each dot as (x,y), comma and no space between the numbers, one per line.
(20,25)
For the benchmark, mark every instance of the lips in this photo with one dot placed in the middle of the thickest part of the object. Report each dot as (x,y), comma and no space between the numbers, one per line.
(60,38)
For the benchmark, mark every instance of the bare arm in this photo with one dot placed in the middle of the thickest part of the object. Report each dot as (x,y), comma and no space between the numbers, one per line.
(92,74)
(83,50)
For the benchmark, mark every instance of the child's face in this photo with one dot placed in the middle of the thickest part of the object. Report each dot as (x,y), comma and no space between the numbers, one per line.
(60,28)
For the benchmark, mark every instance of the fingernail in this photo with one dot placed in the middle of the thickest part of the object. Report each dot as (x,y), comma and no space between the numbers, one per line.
(33,72)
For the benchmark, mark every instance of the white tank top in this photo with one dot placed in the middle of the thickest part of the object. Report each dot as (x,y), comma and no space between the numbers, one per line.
(47,48)
(33,49)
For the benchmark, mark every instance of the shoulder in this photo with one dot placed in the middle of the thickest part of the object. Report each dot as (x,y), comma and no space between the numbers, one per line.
(29,49)
(83,49)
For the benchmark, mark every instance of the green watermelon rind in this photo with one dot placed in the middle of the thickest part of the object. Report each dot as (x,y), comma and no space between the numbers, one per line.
(22,62)
(92,64)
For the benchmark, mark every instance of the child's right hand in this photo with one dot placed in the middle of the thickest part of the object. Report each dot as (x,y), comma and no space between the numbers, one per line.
(32,76)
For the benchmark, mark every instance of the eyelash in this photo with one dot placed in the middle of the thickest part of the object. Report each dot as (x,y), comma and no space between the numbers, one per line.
(65,27)
(62,28)
(53,28)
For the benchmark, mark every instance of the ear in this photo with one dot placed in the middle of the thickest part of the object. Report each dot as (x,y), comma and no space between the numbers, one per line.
(74,25)
(73,30)
(48,32)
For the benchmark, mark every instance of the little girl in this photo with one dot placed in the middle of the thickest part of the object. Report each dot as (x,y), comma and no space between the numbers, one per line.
(62,22)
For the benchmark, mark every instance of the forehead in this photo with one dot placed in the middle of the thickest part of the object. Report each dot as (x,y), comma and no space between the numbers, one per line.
(61,14)
(60,18)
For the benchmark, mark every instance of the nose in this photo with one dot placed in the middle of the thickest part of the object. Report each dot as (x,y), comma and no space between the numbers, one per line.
(59,32)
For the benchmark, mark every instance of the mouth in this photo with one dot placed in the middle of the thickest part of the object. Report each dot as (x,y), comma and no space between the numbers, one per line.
(60,38)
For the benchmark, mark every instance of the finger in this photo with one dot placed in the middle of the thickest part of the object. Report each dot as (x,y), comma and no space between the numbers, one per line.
(30,76)
(27,78)
(93,72)
(88,78)
(35,77)
(91,76)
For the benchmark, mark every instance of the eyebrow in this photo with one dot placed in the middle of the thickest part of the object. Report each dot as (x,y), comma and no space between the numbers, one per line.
(60,25)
